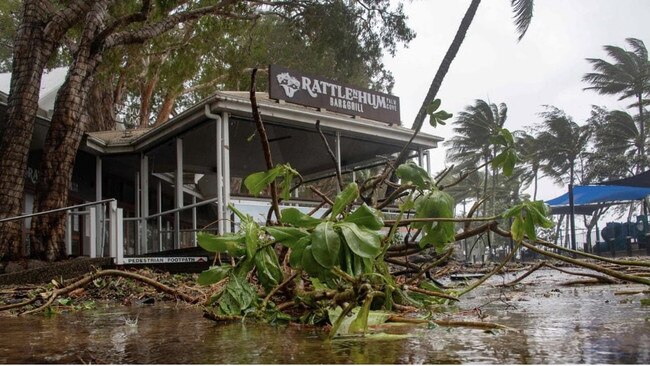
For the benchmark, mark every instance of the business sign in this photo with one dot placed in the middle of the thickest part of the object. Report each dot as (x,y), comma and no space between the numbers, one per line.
(314,91)
(154,260)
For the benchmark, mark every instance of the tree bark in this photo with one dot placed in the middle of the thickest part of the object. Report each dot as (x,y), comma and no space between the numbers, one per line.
(446,63)
(166,108)
(100,107)
(31,53)
(66,129)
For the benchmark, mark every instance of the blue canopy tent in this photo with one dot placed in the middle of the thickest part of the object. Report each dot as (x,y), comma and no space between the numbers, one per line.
(589,198)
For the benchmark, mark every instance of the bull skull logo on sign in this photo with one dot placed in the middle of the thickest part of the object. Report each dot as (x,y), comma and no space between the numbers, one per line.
(290,84)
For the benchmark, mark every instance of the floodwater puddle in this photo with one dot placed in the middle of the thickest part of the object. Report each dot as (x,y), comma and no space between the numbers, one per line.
(555,324)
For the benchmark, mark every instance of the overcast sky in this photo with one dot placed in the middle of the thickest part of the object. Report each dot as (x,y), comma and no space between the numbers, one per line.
(546,67)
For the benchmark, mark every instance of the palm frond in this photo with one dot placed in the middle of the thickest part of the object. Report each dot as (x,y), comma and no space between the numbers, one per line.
(523,10)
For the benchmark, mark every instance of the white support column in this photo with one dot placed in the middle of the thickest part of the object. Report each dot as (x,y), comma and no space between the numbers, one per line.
(68,233)
(178,196)
(120,235)
(92,235)
(99,214)
(138,237)
(226,169)
(194,221)
(427,154)
(420,158)
(144,201)
(113,237)
(338,153)
(219,159)
(159,208)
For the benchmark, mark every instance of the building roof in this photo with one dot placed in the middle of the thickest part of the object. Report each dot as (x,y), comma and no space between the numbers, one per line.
(238,104)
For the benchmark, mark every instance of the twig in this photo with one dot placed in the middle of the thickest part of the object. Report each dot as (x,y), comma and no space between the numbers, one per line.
(528,273)
(405,222)
(276,289)
(448,323)
(599,278)
(339,178)
(265,144)
(426,268)
(18,305)
(321,195)
(430,293)
(492,273)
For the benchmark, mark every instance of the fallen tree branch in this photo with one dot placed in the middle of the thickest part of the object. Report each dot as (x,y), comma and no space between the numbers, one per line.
(595,267)
(116,273)
(448,323)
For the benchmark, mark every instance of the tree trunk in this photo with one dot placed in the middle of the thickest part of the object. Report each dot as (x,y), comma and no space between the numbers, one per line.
(100,107)
(31,53)
(146,94)
(66,129)
(642,132)
(166,109)
(446,63)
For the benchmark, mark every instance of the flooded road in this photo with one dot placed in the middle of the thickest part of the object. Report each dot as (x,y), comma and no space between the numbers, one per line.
(556,324)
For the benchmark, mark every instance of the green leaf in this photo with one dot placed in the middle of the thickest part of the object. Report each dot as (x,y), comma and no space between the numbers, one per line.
(295,217)
(297,251)
(251,229)
(363,242)
(433,106)
(411,172)
(529,228)
(288,173)
(220,244)
(436,204)
(360,322)
(237,297)
(366,216)
(344,198)
(268,268)
(288,236)
(499,159)
(214,274)
(309,263)
(509,163)
(256,182)
(517,229)
(325,244)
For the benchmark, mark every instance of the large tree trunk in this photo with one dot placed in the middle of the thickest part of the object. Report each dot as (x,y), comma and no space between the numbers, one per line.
(100,107)
(68,124)
(31,53)
(166,108)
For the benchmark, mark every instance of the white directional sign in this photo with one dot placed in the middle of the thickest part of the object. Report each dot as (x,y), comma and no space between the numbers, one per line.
(152,260)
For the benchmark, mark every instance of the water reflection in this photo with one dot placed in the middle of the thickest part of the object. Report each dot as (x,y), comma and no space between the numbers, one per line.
(557,325)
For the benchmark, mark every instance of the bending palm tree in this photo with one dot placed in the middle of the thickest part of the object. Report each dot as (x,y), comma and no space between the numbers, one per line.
(619,138)
(565,141)
(628,76)
(530,150)
(470,147)
(523,10)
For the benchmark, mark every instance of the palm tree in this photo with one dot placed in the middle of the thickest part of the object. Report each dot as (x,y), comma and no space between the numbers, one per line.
(523,10)
(564,143)
(618,139)
(471,147)
(530,150)
(628,76)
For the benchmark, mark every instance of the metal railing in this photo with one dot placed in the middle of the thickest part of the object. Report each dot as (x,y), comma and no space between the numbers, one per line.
(97,220)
